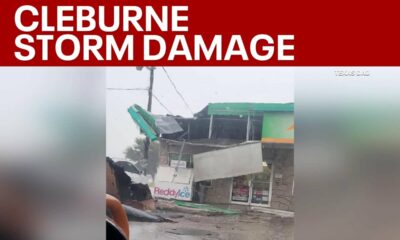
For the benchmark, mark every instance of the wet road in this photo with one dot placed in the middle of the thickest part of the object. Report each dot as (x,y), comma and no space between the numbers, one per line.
(247,226)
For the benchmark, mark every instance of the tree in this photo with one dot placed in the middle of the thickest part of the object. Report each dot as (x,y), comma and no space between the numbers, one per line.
(136,153)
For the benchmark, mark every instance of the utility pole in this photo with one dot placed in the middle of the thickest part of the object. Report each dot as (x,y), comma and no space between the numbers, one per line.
(149,103)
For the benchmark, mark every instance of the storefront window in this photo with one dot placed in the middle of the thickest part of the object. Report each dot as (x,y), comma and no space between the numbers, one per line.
(241,189)
(252,189)
(260,186)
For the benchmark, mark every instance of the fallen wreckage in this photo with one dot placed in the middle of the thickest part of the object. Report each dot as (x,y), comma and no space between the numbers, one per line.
(126,201)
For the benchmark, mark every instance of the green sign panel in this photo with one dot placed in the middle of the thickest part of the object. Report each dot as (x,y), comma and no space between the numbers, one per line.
(278,127)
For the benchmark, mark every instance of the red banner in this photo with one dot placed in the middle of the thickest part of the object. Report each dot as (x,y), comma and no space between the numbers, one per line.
(199,33)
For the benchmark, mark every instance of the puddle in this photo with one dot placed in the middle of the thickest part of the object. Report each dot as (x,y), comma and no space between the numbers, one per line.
(166,231)
(192,232)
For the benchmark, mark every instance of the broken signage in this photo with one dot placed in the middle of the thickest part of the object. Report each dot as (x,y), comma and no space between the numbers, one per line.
(235,161)
(172,183)
(173,191)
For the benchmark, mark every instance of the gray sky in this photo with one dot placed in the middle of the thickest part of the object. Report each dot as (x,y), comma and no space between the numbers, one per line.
(199,86)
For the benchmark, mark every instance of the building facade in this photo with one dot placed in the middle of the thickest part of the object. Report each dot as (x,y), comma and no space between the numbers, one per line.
(224,126)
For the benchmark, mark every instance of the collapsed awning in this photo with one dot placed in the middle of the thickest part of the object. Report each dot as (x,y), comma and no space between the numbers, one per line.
(152,125)
(171,175)
(230,162)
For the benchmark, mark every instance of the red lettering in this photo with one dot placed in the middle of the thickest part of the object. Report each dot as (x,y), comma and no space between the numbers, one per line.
(165,192)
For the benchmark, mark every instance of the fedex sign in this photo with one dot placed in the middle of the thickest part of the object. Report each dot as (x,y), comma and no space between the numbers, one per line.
(173,191)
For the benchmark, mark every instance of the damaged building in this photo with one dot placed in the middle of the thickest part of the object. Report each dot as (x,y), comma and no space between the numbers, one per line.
(228,153)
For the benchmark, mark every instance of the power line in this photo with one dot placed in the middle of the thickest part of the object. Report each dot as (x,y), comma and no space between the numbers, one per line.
(143,89)
(177,91)
(162,105)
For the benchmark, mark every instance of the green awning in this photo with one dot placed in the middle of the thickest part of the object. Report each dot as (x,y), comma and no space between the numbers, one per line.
(153,125)
(148,117)
(140,118)
(248,108)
